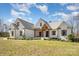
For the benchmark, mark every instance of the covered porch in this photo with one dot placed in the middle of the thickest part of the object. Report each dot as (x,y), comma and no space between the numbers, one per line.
(42,32)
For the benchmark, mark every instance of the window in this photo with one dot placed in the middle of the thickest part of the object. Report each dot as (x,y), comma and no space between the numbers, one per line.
(17,23)
(47,33)
(39,34)
(40,24)
(64,32)
(20,33)
(12,33)
(53,32)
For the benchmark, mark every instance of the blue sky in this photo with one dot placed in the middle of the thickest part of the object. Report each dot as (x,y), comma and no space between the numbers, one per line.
(33,12)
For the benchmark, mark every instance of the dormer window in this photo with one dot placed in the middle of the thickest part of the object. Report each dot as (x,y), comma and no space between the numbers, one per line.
(40,24)
(53,32)
(17,23)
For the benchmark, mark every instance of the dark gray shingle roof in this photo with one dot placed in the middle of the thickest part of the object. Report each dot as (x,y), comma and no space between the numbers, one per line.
(27,25)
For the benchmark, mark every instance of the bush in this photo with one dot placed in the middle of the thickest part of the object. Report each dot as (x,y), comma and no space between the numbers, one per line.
(71,37)
(26,38)
(4,34)
(23,37)
(76,39)
(54,39)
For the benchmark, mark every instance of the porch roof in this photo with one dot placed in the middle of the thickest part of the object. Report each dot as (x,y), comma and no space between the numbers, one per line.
(55,25)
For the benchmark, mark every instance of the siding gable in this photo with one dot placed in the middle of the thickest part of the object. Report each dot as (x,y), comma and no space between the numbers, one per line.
(42,22)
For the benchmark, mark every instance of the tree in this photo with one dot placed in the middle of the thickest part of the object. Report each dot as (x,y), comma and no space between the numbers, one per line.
(1,23)
(72,23)
(76,18)
(71,37)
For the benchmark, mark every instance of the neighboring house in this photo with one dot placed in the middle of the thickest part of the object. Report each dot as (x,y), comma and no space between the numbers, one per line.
(4,28)
(52,29)
(40,29)
(21,28)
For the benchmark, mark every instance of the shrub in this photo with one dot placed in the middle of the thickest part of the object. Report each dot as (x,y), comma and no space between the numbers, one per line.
(76,39)
(26,38)
(71,37)
(4,34)
(23,37)
(54,39)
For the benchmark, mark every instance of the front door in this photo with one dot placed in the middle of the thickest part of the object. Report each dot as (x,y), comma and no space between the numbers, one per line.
(47,33)
(40,34)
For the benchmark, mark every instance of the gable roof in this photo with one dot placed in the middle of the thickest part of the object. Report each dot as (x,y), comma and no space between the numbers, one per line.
(43,21)
(52,25)
(14,25)
(55,25)
(27,25)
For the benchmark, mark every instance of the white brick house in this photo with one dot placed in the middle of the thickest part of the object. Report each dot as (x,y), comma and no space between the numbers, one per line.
(52,29)
(40,29)
(21,28)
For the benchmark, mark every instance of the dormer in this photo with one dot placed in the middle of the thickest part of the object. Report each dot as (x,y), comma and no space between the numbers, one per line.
(40,23)
(18,23)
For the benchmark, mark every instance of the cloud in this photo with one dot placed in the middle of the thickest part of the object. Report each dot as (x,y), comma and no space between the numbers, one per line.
(29,20)
(73,7)
(60,13)
(10,20)
(22,10)
(59,16)
(75,13)
(15,13)
(20,15)
(23,7)
(43,8)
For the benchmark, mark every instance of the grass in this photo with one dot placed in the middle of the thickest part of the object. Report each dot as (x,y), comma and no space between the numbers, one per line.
(38,48)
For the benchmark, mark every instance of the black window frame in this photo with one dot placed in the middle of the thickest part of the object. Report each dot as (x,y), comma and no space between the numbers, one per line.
(21,33)
(12,33)
(40,24)
(18,23)
(63,32)
(53,32)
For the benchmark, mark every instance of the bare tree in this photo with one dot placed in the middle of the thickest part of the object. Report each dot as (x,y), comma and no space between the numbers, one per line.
(77,23)
(1,23)
(71,22)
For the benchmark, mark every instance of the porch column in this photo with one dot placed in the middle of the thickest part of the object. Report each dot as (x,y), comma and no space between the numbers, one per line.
(34,33)
(43,33)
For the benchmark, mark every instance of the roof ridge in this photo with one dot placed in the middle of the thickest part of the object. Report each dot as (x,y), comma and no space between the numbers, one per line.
(26,24)
(24,20)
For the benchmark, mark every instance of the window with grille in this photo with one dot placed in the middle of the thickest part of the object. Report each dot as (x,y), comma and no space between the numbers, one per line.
(12,33)
(64,32)
(53,32)
(20,33)
(40,24)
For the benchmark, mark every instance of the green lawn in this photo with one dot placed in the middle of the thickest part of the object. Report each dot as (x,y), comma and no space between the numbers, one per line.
(38,47)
